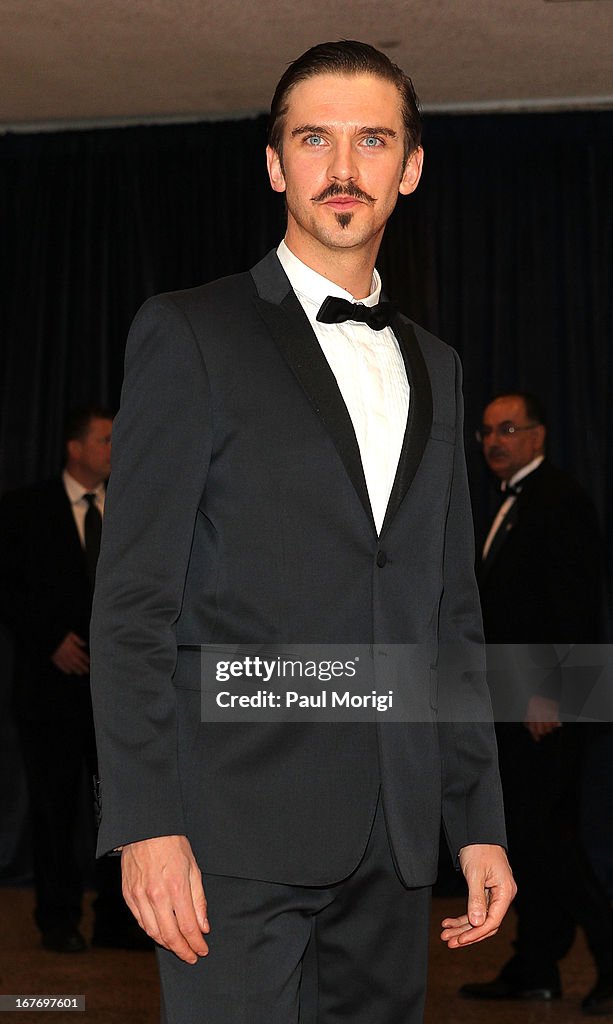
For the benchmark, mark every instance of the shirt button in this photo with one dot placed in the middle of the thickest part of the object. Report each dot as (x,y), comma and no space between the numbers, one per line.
(381,559)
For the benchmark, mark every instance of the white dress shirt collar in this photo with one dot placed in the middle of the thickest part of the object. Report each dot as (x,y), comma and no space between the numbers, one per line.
(310,285)
(75,490)
(524,471)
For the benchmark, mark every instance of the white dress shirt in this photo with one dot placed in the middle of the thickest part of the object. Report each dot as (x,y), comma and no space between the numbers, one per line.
(510,501)
(75,492)
(370,373)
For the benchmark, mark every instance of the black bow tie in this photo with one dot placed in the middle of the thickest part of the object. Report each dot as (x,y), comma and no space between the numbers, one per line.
(334,310)
(509,490)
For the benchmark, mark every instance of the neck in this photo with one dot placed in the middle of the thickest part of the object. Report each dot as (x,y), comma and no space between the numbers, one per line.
(83,477)
(350,268)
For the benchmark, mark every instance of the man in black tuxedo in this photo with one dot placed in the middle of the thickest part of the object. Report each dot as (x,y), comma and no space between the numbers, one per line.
(289,470)
(50,537)
(540,585)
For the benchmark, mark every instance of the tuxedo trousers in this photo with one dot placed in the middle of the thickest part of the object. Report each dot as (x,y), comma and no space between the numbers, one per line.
(59,753)
(283,954)
(557,886)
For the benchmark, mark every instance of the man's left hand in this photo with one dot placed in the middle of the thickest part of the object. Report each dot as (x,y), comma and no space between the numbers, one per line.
(491,888)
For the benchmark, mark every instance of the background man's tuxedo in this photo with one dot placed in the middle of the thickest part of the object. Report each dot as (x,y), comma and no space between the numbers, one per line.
(238,512)
(542,583)
(46,587)
(46,594)
(540,586)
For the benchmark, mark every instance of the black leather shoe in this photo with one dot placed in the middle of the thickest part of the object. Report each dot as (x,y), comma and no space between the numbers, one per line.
(500,988)
(63,939)
(599,1002)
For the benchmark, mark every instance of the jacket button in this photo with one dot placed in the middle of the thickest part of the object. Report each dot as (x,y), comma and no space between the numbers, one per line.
(381,559)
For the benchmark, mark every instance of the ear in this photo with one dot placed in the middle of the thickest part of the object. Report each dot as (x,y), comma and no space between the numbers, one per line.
(539,434)
(275,171)
(412,172)
(73,449)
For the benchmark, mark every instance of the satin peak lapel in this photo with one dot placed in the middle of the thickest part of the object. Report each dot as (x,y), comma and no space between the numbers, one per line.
(419,422)
(502,534)
(288,324)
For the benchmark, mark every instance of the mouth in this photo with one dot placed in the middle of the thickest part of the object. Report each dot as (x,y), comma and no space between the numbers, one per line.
(341,204)
(342,198)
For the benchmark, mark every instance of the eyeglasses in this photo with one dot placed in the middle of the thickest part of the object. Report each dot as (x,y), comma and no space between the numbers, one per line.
(502,430)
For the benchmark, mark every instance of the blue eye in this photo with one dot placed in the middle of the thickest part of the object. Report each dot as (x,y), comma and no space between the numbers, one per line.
(371,142)
(314,140)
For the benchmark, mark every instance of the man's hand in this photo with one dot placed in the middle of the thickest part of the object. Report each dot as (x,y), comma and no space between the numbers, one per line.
(491,887)
(71,656)
(162,886)
(542,717)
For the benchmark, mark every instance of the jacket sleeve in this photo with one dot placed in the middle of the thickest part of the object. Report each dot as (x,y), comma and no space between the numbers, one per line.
(161,452)
(472,796)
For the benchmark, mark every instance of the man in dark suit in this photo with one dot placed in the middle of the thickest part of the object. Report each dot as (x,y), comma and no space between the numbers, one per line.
(50,537)
(540,587)
(289,470)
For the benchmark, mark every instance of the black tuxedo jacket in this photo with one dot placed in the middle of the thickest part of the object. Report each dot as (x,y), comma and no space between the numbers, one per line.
(45,588)
(541,582)
(541,593)
(237,512)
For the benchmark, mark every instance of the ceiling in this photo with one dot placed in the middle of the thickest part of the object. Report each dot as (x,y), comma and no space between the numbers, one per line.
(81,62)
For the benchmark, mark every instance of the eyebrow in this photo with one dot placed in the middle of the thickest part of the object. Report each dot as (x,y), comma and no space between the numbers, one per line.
(318,129)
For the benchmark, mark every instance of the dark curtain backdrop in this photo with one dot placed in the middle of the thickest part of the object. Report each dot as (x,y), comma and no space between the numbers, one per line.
(504,251)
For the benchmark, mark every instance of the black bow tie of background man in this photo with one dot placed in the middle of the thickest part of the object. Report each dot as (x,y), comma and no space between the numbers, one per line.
(334,310)
(507,490)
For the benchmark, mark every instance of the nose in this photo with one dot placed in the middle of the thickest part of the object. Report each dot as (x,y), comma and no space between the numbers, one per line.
(342,165)
(491,441)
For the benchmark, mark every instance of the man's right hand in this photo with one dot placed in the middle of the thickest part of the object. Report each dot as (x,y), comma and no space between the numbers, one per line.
(542,717)
(71,656)
(162,886)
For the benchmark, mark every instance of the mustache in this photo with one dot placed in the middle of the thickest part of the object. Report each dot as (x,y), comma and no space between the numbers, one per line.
(343,190)
(495,452)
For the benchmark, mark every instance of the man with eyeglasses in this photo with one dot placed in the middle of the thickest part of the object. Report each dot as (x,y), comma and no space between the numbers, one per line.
(539,581)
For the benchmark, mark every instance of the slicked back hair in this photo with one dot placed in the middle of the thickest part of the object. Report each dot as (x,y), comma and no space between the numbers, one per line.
(78,420)
(345,57)
(535,410)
